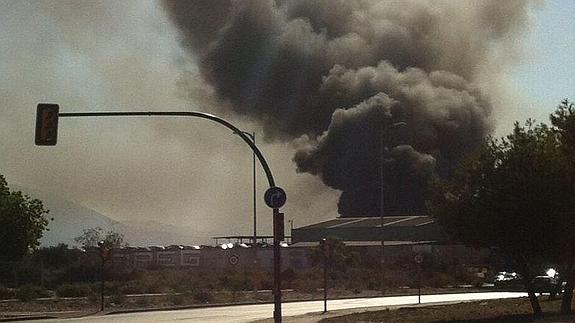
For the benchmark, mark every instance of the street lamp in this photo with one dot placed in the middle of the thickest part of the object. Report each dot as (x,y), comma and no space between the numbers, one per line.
(383,149)
(252,136)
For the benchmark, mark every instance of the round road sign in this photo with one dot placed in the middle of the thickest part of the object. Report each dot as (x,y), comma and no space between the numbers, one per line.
(275,197)
(234,259)
(418,258)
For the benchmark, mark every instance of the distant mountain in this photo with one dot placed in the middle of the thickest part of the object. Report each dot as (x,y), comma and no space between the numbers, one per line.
(149,233)
(70,219)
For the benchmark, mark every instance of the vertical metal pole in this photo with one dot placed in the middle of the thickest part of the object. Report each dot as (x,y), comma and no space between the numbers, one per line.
(255,200)
(255,238)
(277,271)
(381,211)
(419,284)
(324,249)
(101,282)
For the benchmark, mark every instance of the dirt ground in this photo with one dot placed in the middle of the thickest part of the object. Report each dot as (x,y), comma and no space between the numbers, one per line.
(490,311)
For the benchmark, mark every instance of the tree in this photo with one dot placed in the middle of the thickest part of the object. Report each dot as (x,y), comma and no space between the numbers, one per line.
(54,256)
(92,236)
(339,257)
(514,194)
(563,120)
(22,223)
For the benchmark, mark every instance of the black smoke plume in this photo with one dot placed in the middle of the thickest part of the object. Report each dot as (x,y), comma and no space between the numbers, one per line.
(380,95)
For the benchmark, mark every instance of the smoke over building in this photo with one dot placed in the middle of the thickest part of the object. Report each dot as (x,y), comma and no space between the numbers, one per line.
(371,91)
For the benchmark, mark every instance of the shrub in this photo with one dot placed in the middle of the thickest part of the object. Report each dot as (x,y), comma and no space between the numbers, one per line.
(142,302)
(203,296)
(94,297)
(117,299)
(262,280)
(28,293)
(73,290)
(306,285)
(7,293)
(176,299)
(134,287)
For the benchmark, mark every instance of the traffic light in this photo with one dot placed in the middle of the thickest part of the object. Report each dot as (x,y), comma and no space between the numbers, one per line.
(46,124)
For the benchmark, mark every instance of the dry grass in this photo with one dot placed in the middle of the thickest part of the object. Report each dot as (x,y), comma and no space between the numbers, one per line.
(492,311)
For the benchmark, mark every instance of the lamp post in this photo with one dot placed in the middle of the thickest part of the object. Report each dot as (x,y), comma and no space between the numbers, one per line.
(252,136)
(382,150)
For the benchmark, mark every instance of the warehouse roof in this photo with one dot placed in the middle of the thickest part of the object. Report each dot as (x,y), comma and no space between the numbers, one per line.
(412,228)
(347,222)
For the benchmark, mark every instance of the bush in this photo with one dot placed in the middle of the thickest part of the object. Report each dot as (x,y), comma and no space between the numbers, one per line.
(176,299)
(94,297)
(73,290)
(28,293)
(306,285)
(7,293)
(203,296)
(134,287)
(142,302)
(116,299)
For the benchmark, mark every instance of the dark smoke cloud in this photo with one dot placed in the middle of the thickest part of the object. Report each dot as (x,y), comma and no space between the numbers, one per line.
(352,78)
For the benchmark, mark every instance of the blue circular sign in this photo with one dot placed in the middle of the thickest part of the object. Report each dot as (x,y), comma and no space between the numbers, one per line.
(275,197)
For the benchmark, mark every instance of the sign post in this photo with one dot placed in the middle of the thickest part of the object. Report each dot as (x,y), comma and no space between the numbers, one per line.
(418,260)
(275,197)
(104,254)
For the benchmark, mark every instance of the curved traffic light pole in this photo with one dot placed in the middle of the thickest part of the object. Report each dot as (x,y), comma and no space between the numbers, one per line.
(202,115)
(257,152)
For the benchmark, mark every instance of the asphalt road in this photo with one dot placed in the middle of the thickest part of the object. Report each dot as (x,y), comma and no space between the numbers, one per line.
(250,313)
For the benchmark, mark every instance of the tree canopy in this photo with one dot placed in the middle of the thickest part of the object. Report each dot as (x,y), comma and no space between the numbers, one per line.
(515,194)
(92,236)
(337,255)
(22,223)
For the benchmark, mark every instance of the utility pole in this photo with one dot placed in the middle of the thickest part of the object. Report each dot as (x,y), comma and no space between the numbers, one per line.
(382,150)
(252,136)
(254,192)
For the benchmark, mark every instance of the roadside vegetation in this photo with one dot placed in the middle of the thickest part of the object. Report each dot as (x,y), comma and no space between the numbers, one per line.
(488,311)
(516,195)
(63,279)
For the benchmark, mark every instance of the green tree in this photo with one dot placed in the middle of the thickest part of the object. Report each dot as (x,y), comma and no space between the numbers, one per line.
(514,194)
(54,256)
(92,236)
(563,120)
(339,257)
(22,223)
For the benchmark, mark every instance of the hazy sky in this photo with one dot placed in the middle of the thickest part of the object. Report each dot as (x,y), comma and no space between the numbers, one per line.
(125,55)
(546,73)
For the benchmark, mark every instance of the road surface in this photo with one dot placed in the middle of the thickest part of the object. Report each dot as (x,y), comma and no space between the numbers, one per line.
(250,313)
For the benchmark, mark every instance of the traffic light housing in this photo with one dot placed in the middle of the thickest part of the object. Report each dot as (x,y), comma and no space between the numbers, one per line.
(47,124)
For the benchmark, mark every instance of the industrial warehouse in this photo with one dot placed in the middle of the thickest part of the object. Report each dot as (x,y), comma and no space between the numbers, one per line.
(391,239)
